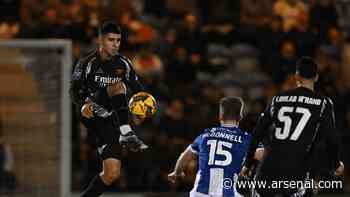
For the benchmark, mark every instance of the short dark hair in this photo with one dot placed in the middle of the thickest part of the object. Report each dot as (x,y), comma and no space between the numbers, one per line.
(306,67)
(109,27)
(231,108)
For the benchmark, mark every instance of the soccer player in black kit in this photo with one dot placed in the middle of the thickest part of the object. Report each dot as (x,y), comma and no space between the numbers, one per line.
(297,118)
(98,87)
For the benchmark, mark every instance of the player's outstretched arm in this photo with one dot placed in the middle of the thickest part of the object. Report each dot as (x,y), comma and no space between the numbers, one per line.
(186,157)
(132,79)
(259,132)
(329,132)
(258,156)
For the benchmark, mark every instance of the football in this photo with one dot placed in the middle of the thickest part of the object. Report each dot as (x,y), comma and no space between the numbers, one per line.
(143,104)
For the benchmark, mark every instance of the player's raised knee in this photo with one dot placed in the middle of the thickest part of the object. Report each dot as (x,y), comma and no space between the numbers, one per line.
(111,176)
(115,89)
(111,171)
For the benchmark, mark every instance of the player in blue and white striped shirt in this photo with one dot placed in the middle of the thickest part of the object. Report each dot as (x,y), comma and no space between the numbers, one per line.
(220,152)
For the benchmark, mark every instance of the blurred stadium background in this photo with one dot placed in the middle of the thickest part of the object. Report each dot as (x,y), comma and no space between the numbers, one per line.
(189,53)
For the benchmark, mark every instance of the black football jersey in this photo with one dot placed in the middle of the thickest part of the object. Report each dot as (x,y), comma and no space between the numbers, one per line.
(294,120)
(91,76)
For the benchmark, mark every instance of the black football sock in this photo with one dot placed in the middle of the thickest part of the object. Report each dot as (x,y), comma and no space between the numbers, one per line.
(120,106)
(95,188)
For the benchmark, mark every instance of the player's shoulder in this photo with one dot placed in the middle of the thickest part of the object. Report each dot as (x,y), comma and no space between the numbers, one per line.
(282,93)
(300,91)
(232,130)
(207,131)
(122,56)
(88,57)
(327,101)
(122,59)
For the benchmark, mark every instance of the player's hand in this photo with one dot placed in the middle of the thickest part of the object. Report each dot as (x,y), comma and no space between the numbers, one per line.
(315,187)
(131,142)
(340,170)
(244,172)
(174,177)
(87,110)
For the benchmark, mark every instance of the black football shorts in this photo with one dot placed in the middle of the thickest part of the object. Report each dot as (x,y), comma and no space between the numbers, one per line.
(105,133)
